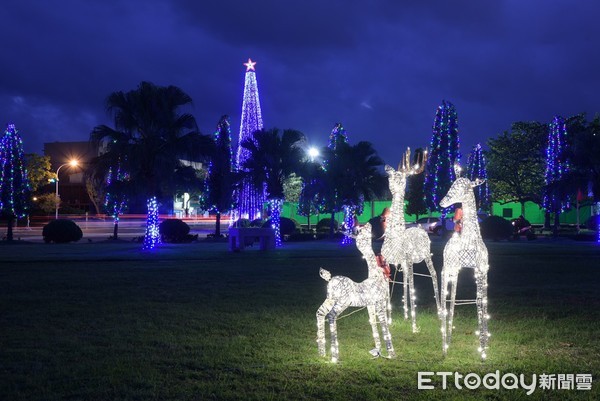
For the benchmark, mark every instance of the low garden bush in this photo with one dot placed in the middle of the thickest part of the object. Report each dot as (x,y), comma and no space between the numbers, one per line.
(61,231)
(288,226)
(323,224)
(175,230)
(496,228)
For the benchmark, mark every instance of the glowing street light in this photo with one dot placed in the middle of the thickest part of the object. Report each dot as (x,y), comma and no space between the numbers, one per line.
(72,163)
(313,153)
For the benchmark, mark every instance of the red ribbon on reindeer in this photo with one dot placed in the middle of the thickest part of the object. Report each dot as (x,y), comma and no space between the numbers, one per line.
(384,266)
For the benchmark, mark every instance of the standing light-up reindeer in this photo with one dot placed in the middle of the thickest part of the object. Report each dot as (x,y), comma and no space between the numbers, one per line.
(342,292)
(465,250)
(403,247)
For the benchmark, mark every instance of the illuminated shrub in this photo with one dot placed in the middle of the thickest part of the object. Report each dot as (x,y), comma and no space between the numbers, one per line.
(61,231)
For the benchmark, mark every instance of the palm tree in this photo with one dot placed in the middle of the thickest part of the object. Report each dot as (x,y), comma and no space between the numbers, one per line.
(351,176)
(150,138)
(273,157)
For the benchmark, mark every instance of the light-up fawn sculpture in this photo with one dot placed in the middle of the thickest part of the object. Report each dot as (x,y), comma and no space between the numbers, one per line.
(403,247)
(342,292)
(465,250)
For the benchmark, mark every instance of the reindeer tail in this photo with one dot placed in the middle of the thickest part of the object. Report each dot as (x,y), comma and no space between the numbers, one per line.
(325,275)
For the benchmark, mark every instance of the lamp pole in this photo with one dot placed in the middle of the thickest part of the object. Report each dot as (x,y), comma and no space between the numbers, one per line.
(72,163)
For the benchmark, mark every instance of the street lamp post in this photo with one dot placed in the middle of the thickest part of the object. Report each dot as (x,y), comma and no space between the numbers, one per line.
(72,163)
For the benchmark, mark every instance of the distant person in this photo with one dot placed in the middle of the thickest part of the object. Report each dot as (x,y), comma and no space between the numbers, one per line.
(457,219)
(379,223)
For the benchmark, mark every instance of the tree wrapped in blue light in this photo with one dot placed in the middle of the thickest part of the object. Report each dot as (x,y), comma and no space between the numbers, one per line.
(338,135)
(220,181)
(476,168)
(443,156)
(115,201)
(275,206)
(14,184)
(557,165)
(249,199)
(152,234)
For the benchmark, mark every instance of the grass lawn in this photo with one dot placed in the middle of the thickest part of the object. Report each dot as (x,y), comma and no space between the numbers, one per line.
(100,321)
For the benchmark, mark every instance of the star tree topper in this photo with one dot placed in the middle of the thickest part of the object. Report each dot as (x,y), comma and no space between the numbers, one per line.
(250,65)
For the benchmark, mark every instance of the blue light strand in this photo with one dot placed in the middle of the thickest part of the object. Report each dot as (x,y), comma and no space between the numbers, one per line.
(477,168)
(14,184)
(556,166)
(250,201)
(349,224)
(115,203)
(275,205)
(152,235)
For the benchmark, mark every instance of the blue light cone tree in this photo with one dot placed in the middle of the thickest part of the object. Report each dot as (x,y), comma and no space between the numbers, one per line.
(556,200)
(14,185)
(220,181)
(250,197)
(444,154)
(476,168)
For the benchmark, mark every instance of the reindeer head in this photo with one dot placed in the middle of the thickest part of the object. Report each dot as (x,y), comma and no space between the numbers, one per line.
(397,179)
(460,191)
(363,239)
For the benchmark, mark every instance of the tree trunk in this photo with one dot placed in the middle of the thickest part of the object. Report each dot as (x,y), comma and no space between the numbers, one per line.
(308,218)
(547,221)
(9,231)
(556,224)
(116,229)
(523,209)
(218,226)
(331,225)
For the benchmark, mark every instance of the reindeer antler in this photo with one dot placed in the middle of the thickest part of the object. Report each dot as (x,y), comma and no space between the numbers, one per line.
(405,166)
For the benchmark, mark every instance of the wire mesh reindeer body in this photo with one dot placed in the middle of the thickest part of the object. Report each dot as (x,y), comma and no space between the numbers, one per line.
(404,247)
(342,292)
(466,250)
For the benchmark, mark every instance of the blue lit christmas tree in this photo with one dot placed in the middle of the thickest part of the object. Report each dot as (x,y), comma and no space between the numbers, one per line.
(14,185)
(442,157)
(250,199)
(218,197)
(476,168)
(555,199)
(337,137)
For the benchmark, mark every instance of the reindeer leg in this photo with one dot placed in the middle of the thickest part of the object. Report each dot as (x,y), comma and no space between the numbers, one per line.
(373,322)
(443,311)
(453,283)
(434,281)
(481,278)
(413,296)
(405,293)
(335,347)
(321,313)
(385,329)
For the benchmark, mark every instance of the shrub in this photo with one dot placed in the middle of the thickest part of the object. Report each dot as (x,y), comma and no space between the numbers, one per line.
(592,222)
(323,225)
(242,223)
(62,231)
(288,226)
(496,228)
(174,230)
(257,223)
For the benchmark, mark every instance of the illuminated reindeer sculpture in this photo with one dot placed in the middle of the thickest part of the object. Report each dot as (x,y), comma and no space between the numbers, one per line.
(342,292)
(403,247)
(465,250)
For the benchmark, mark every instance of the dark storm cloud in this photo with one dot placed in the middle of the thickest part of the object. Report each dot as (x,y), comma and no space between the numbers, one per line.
(381,68)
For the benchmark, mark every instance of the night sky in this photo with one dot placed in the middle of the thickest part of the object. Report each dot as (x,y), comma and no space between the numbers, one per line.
(380,70)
